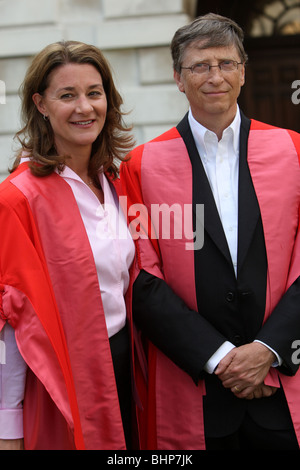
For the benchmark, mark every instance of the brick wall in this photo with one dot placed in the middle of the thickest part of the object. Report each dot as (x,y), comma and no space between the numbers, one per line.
(133,34)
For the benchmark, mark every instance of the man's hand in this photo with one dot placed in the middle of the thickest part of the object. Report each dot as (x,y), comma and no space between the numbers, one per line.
(11,444)
(261,391)
(244,369)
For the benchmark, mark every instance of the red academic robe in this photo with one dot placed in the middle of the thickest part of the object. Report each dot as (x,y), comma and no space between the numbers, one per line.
(160,171)
(50,295)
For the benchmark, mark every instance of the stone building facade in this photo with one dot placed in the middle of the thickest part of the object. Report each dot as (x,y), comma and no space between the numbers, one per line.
(134,35)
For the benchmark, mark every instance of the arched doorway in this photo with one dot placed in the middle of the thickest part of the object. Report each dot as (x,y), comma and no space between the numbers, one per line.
(272,41)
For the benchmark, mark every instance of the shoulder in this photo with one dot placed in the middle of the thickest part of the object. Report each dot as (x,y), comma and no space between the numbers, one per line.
(136,155)
(20,187)
(14,209)
(262,126)
(166,136)
(9,194)
(278,138)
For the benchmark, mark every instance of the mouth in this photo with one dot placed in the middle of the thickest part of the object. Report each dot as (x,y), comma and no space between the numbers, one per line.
(83,124)
(215,93)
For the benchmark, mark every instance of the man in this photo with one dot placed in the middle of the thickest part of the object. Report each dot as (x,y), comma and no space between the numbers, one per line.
(222,319)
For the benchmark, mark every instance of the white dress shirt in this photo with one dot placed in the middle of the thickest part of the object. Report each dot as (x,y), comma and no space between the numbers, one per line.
(113,251)
(221,163)
(220,159)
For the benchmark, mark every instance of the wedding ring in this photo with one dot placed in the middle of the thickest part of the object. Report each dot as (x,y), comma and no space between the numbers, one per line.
(236,389)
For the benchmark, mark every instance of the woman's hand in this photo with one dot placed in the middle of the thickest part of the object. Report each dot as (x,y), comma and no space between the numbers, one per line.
(11,444)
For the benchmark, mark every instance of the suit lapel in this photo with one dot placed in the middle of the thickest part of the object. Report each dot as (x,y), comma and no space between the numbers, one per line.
(248,212)
(202,193)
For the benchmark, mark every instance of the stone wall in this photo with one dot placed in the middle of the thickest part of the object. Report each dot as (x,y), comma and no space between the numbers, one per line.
(133,34)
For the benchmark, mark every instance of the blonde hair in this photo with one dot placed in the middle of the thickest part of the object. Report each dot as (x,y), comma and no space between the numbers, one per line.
(37,138)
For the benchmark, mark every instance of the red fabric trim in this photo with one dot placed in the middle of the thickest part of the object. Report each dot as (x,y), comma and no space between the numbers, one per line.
(158,418)
(296,140)
(27,272)
(169,135)
(34,211)
(257,125)
(260,126)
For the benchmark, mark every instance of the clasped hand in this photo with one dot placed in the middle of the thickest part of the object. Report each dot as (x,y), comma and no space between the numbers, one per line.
(244,369)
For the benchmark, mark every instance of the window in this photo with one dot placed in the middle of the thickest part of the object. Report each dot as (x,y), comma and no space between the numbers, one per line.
(277,17)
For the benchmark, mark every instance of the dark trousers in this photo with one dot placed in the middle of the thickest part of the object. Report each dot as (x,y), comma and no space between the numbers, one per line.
(120,349)
(251,436)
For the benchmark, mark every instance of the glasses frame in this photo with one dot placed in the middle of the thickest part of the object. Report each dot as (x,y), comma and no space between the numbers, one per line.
(192,67)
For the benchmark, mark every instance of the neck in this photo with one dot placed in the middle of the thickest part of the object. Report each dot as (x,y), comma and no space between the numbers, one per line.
(79,167)
(216,123)
(78,161)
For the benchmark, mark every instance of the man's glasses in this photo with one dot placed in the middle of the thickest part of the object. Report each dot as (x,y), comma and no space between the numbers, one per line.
(224,66)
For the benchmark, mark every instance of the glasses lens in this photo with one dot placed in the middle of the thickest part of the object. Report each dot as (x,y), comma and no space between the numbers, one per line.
(201,68)
(228,65)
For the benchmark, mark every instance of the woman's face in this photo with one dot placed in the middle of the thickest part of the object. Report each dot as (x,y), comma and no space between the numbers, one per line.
(75,104)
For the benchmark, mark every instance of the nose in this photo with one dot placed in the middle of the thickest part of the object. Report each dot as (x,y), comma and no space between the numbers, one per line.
(83,105)
(215,75)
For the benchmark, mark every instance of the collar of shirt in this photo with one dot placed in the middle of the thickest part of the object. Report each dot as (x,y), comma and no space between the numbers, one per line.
(207,141)
(68,174)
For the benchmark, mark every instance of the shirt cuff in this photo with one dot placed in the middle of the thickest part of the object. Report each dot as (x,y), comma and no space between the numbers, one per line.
(218,356)
(11,424)
(279,360)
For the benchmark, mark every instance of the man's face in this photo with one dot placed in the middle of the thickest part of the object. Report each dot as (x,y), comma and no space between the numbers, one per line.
(212,94)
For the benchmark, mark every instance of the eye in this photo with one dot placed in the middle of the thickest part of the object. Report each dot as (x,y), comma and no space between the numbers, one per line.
(201,66)
(96,93)
(228,65)
(66,96)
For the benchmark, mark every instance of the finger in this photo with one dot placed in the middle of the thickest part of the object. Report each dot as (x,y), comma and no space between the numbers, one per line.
(258,392)
(236,380)
(243,393)
(268,391)
(225,363)
(250,396)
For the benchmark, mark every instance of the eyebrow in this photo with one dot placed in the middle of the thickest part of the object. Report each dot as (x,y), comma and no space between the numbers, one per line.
(71,88)
(218,60)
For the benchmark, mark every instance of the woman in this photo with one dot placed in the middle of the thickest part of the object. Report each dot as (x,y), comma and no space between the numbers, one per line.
(65,260)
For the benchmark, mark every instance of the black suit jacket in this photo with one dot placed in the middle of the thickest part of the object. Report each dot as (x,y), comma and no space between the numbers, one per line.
(229,308)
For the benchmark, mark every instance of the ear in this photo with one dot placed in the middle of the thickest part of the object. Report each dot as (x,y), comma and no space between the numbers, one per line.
(39,103)
(242,77)
(179,82)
